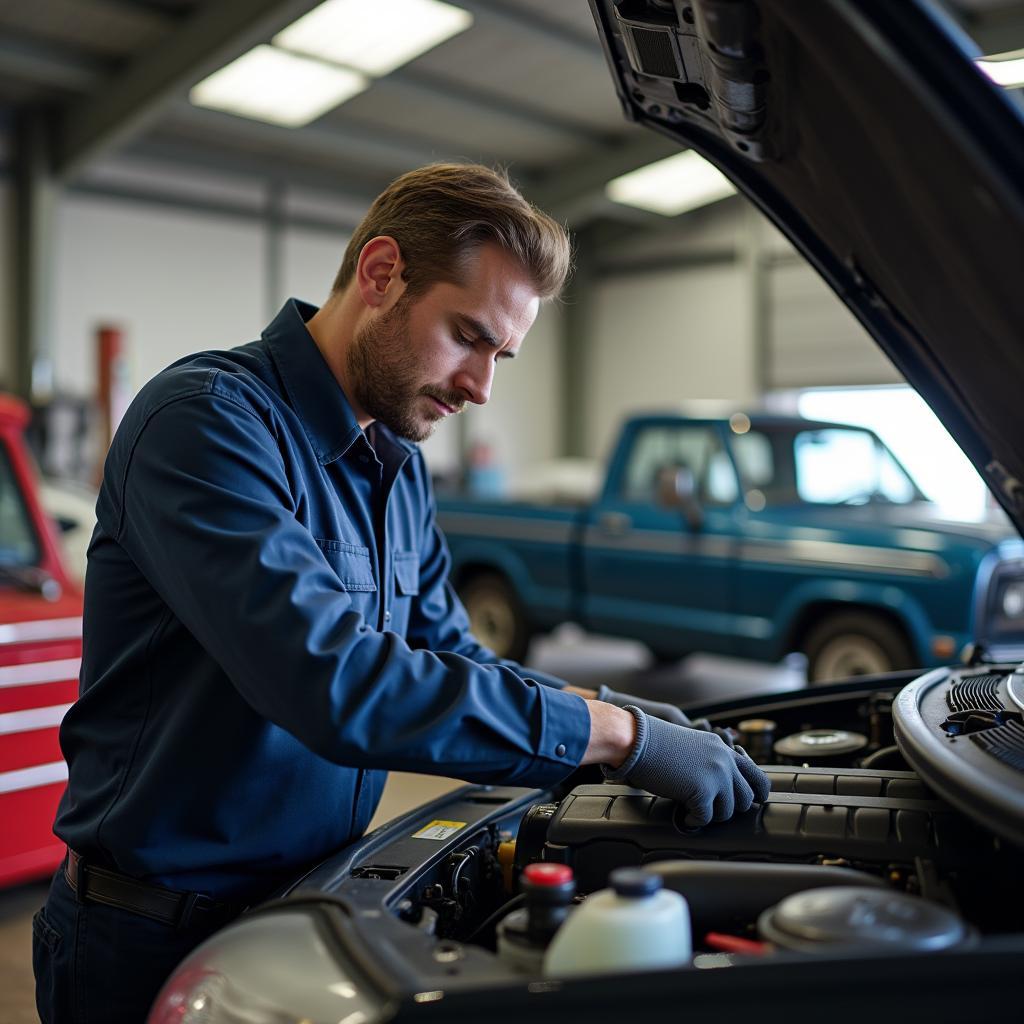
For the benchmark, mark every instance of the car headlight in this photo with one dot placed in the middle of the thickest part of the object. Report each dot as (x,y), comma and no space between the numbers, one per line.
(275,966)
(1001,602)
(1012,601)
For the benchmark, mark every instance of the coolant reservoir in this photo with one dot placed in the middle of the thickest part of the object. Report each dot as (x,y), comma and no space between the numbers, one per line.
(636,925)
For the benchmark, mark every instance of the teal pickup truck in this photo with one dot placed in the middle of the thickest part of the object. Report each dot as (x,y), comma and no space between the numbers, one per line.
(752,536)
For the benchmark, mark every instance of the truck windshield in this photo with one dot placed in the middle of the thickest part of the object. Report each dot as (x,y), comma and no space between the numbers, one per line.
(18,543)
(822,466)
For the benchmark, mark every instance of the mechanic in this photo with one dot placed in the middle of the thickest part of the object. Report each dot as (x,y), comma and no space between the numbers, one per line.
(268,622)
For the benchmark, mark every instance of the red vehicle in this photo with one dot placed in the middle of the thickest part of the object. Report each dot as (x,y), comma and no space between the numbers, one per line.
(40,655)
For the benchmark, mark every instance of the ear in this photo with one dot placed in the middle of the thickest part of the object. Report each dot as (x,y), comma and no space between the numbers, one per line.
(379,273)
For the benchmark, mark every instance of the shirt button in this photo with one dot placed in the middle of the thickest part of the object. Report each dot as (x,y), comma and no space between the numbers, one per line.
(387,616)
(560,750)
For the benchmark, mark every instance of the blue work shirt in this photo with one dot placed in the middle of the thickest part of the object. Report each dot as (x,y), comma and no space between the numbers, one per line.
(269,627)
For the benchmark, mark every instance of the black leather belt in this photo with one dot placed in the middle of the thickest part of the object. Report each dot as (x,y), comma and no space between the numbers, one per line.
(169,906)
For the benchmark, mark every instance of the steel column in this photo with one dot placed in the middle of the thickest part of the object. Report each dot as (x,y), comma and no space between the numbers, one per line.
(35,200)
(578,308)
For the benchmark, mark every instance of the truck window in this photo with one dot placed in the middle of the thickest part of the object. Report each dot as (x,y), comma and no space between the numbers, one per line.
(754,458)
(695,448)
(848,467)
(18,544)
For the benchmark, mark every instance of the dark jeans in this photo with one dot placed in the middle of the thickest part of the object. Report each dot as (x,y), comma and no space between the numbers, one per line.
(101,965)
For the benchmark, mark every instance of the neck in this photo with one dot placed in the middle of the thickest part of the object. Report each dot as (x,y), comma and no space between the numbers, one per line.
(333,329)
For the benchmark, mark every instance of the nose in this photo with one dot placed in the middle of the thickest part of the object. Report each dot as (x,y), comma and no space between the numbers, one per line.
(475,377)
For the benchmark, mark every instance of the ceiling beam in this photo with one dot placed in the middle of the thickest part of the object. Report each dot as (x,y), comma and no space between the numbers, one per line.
(44,64)
(346,184)
(52,67)
(126,102)
(339,145)
(489,101)
(565,190)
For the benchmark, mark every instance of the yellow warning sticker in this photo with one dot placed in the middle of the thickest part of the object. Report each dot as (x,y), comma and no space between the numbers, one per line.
(439,830)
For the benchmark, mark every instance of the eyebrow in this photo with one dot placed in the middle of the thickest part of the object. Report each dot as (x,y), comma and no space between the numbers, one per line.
(483,332)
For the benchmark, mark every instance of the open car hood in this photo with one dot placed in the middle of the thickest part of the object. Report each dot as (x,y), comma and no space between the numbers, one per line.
(863,130)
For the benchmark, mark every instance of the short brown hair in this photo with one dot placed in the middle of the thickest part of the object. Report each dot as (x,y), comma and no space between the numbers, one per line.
(440,214)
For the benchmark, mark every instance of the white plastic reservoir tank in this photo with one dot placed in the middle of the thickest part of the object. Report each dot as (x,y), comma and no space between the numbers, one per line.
(636,925)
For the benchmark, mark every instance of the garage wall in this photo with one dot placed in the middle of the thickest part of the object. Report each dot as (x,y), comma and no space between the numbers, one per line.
(664,339)
(813,339)
(740,314)
(673,315)
(176,281)
(310,259)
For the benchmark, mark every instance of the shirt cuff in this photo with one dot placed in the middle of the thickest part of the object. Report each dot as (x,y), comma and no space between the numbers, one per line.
(564,735)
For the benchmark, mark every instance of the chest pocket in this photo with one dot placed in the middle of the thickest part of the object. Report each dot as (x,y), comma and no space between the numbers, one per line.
(407,586)
(351,563)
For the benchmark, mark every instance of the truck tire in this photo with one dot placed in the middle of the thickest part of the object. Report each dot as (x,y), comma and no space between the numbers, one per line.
(496,615)
(855,643)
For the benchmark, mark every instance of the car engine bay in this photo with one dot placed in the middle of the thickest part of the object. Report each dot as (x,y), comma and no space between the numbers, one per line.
(890,848)
(846,809)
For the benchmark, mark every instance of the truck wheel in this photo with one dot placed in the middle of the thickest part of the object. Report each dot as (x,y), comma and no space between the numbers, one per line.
(496,615)
(855,644)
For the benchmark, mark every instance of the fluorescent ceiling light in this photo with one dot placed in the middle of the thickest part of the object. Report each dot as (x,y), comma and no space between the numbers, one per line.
(271,85)
(678,183)
(1006,70)
(371,36)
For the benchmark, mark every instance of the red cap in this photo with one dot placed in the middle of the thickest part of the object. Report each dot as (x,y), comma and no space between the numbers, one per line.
(547,874)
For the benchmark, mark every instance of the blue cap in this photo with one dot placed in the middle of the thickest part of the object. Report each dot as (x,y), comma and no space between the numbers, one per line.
(634,883)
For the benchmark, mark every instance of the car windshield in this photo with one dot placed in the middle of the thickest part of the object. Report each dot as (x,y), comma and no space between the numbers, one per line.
(820,466)
(18,544)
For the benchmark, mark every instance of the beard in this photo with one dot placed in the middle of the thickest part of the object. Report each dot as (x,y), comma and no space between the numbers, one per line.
(384,380)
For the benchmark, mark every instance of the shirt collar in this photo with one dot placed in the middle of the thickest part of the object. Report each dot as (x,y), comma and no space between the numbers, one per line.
(315,394)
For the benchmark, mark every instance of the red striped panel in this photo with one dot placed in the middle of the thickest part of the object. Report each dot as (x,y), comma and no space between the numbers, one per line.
(25,749)
(29,653)
(28,847)
(42,695)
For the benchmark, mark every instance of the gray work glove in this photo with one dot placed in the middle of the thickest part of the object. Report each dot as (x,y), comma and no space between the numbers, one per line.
(659,709)
(692,767)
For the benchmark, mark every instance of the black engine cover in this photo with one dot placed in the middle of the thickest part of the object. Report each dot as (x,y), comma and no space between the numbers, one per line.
(862,816)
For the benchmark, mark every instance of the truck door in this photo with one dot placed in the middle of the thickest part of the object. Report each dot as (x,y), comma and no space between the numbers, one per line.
(653,571)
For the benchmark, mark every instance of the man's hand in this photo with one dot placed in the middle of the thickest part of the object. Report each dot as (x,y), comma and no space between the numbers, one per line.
(693,767)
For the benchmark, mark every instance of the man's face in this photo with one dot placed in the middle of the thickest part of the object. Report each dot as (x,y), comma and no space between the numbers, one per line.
(424,358)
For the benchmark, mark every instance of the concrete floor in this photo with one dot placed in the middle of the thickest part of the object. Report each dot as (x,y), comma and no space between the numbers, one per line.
(580,658)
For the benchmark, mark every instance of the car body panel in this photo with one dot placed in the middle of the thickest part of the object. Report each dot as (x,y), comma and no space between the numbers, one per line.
(40,657)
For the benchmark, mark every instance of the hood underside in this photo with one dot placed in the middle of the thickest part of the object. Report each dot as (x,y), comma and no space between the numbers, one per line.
(863,130)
